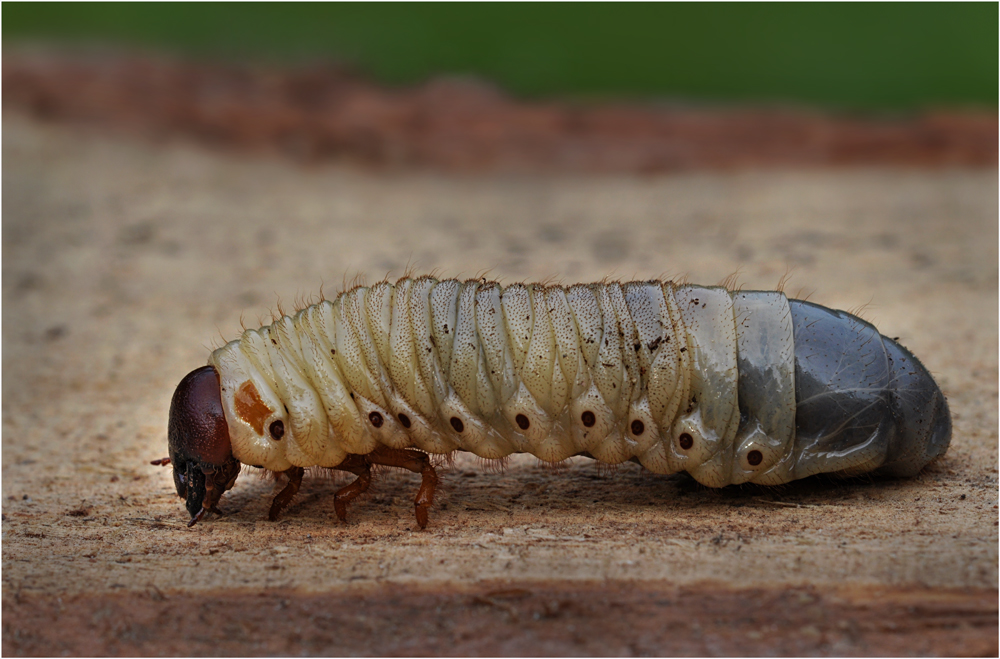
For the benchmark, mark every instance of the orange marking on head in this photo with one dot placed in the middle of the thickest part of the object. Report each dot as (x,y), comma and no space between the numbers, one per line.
(251,408)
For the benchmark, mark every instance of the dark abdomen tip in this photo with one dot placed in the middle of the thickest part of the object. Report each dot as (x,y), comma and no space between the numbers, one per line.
(923,420)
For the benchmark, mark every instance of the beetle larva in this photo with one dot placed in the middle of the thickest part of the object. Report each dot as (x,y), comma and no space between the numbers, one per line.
(731,387)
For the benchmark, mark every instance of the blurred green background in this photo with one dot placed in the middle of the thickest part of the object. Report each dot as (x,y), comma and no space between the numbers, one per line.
(864,56)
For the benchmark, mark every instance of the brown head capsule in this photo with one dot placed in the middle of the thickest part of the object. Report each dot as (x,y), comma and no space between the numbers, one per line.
(198,441)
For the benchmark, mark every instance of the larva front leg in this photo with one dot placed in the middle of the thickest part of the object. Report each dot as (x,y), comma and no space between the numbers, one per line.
(283,498)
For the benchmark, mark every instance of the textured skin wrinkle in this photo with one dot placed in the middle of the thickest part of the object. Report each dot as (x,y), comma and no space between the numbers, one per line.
(731,387)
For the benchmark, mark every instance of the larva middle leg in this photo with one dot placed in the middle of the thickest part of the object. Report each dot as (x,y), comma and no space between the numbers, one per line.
(730,387)
(360,467)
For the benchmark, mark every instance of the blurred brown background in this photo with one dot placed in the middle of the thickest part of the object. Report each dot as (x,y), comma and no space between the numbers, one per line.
(171,169)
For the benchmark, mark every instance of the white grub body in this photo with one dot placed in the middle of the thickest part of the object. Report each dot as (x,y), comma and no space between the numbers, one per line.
(644,370)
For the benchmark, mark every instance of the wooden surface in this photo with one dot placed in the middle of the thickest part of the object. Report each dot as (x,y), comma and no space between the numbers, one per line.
(124,262)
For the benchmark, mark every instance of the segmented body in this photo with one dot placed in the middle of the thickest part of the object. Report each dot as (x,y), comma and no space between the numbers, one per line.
(676,377)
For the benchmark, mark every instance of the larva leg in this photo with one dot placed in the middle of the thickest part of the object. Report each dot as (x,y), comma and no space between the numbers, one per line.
(360,467)
(416,462)
(286,495)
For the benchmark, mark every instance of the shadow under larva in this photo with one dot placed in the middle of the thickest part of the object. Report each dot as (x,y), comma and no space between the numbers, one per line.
(729,386)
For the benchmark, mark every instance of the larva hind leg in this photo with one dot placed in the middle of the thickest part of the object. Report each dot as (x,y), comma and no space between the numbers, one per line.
(360,467)
(283,498)
(416,462)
